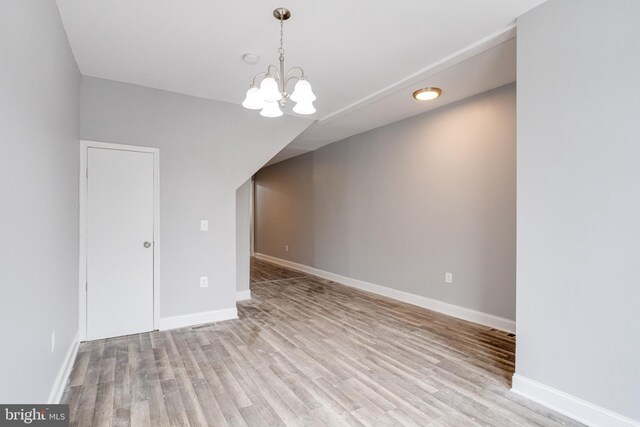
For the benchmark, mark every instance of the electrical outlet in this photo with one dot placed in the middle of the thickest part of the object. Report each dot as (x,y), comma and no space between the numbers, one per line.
(448,277)
(204,282)
(204,225)
(286,248)
(53,341)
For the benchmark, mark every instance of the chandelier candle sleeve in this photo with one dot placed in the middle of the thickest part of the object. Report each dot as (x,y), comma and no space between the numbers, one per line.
(271,95)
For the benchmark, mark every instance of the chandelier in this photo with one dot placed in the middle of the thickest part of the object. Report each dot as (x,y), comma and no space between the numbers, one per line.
(271,95)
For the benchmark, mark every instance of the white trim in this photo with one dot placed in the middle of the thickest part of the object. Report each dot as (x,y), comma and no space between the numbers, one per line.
(243,295)
(64,372)
(431,304)
(252,234)
(185,320)
(82,274)
(566,404)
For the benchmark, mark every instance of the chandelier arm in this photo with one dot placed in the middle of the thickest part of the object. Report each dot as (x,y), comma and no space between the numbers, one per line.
(275,70)
(292,78)
(256,77)
(302,76)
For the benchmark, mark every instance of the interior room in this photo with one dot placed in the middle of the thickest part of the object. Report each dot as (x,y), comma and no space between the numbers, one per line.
(320,213)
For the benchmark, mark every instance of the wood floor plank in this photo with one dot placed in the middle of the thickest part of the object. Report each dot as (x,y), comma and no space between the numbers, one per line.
(305,351)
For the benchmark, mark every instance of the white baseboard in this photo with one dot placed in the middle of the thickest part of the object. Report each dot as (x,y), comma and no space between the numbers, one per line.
(65,370)
(185,320)
(243,295)
(424,302)
(571,406)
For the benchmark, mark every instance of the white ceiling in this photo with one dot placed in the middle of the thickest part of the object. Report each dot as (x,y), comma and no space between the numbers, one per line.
(461,76)
(353,51)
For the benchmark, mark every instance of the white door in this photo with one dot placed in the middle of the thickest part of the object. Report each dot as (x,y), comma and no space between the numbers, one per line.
(120,216)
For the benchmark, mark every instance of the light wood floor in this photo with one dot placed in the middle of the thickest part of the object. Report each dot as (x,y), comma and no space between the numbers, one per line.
(305,351)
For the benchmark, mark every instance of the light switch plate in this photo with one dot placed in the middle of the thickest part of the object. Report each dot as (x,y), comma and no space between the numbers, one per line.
(204,225)
(204,282)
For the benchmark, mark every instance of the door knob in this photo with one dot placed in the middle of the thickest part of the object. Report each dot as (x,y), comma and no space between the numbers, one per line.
(147,244)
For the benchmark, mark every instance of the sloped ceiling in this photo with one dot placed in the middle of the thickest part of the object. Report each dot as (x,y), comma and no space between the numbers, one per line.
(350,50)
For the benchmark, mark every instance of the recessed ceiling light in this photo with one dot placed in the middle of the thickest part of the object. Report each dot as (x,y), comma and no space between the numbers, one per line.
(427,93)
(250,58)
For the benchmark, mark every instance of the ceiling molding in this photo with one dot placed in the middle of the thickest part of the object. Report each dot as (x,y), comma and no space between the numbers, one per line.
(482,66)
(457,57)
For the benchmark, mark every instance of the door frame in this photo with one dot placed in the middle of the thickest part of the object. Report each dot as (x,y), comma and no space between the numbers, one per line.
(82,253)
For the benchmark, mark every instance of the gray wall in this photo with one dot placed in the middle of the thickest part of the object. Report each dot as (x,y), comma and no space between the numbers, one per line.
(207,150)
(39,85)
(243,243)
(579,200)
(401,205)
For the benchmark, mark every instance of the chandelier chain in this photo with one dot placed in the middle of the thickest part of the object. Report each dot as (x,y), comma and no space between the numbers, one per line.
(281,49)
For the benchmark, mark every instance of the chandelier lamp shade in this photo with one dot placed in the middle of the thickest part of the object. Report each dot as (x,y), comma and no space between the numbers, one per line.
(270,95)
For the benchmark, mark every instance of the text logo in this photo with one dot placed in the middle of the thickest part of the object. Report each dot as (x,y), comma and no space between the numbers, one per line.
(34,415)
